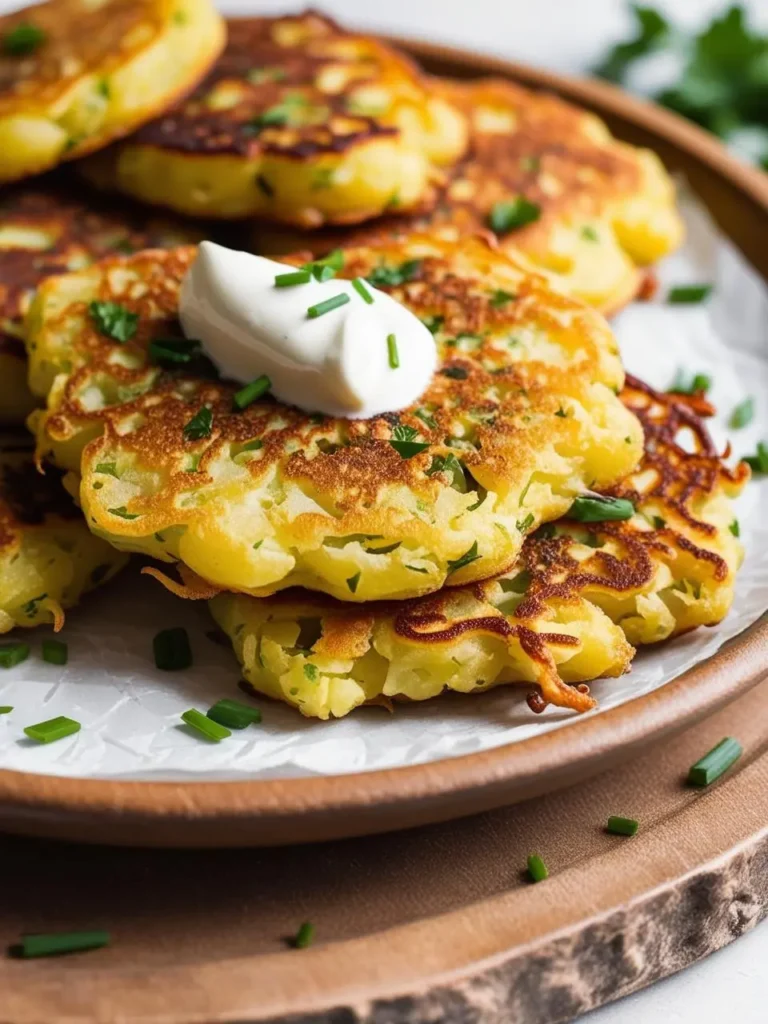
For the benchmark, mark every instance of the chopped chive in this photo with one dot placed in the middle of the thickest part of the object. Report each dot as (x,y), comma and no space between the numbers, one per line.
(743,414)
(500,298)
(455,372)
(689,293)
(326,268)
(22,39)
(265,186)
(257,544)
(392,277)
(122,512)
(310,672)
(248,395)
(735,528)
(715,763)
(113,320)
(199,426)
(6,709)
(207,726)
(416,568)
(289,280)
(58,943)
(233,714)
(55,652)
(589,233)
(304,936)
(353,581)
(13,654)
(404,441)
(394,358)
(523,525)
(108,468)
(362,291)
(53,729)
(514,213)
(537,869)
(469,556)
(599,509)
(172,650)
(699,384)
(327,305)
(758,463)
(619,826)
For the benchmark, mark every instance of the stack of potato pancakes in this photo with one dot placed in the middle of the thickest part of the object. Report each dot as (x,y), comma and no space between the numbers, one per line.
(532,518)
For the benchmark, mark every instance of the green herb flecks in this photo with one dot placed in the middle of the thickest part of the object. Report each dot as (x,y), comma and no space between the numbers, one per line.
(470,555)
(353,581)
(697,384)
(404,441)
(304,936)
(599,509)
(200,426)
(59,943)
(55,652)
(715,763)
(206,726)
(758,463)
(122,513)
(537,869)
(359,286)
(508,215)
(500,298)
(393,357)
(12,654)
(172,649)
(619,826)
(451,466)
(53,729)
(22,39)
(652,31)
(251,392)
(735,528)
(455,372)
(688,294)
(296,277)
(113,320)
(743,414)
(232,714)
(392,277)
(327,305)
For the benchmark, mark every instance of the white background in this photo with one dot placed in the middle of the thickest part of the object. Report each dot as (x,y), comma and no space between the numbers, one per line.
(568,35)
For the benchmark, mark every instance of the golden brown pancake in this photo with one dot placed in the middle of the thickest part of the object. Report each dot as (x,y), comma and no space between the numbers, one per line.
(299,122)
(520,418)
(76,74)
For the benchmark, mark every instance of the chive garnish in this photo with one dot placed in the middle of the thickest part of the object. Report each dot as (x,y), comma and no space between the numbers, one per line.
(108,468)
(248,395)
(715,763)
(523,525)
(735,528)
(758,463)
(204,725)
(537,869)
(469,556)
(6,709)
(58,943)
(353,581)
(327,305)
(362,291)
(122,512)
(55,652)
(199,426)
(53,729)
(289,280)
(22,39)
(233,714)
(310,672)
(171,352)
(699,384)
(589,233)
(513,213)
(391,277)
(172,650)
(619,826)
(394,358)
(599,509)
(404,441)
(304,936)
(455,372)
(743,414)
(499,298)
(13,654)
(326,268)
(689,293)
(114,320)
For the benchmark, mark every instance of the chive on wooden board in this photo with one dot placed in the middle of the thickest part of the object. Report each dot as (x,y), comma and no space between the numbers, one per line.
(437,923)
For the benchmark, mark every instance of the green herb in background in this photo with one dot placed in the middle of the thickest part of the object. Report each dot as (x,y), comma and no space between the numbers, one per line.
(724,81)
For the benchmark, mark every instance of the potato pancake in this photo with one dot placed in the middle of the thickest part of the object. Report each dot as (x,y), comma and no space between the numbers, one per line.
(74,74)
(520,418)
(554,187)
(299,122)
(48,229)
(579,594)
(48,557)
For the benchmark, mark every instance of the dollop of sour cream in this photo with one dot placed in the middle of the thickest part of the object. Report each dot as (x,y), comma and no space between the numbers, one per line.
(340,362)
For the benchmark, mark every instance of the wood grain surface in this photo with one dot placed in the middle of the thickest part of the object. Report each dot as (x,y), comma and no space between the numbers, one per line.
(433,924)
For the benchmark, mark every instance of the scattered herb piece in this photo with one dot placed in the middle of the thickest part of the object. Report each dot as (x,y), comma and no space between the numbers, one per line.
(172,649)
(652,31)
(53,729)
(599,509)
(416,568)
(353,581)
(6,709)
(426,419)
(362,291)
(233,714)
(13,653)
(715,763)
(735,528)
(659,523)
(525,524)
(433,323)
(251,392)
(500,298)
(404,441)
(537,869)
(205,726)
(449,464)
(469,556)
(562,413)
(507,215)
(265,186)
(455,372)
(698,384)
(310,671)
(55,652)
(294,278)
(22,39)
(200,425)
(392,277)
(304,936)
(122,512)
(589,233)
(392,353)
(108,468)
(113,320)
(618,826)
(743,414)
(687,294)
(59,943)
(327,305)
(758,463)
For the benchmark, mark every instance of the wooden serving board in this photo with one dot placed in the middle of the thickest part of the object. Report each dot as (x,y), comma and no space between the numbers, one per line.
(432,924)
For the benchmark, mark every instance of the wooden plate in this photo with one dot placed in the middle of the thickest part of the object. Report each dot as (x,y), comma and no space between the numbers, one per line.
(435,924)
(265,812)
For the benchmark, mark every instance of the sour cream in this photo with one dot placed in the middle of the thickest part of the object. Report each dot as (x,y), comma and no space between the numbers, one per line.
(339,362)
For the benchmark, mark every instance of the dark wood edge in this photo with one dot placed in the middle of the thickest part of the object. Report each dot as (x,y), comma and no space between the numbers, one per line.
(264,811)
